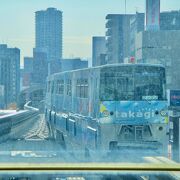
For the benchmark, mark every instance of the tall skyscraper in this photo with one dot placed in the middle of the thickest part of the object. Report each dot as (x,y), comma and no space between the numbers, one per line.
(28,71)
(49,33)
(9,74)
(152,15)
(118,37)
(98,50)
(136,26)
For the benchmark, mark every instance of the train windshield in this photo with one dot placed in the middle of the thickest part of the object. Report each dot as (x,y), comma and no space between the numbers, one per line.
(149,83)
(126,83)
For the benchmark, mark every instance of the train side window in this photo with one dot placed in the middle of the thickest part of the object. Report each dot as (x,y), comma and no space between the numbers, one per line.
(82,88)
(85,88)
(60,87)
(78,87)
(69,87)
(57,86)
(49,86)
(52,87)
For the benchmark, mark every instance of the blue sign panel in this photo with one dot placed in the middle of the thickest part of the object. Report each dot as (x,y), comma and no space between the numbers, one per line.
(135,112)
(174,98)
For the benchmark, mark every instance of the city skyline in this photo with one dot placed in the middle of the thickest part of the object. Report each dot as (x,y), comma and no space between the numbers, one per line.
(19,31)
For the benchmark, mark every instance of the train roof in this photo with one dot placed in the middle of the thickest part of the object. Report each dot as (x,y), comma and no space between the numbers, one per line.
(107,65)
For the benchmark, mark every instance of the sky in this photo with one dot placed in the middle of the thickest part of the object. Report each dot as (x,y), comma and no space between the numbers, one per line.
(82,19)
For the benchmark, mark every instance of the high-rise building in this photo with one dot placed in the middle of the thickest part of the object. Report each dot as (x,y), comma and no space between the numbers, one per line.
(53,66)
(27,71)
(152,15)
(98,50)
(49,33)
(161,47)
(136,26)
(160,42)
(40,67)
(155,20)
(118,37)
(9,74)
(73,64)
(170,20)
(28,64)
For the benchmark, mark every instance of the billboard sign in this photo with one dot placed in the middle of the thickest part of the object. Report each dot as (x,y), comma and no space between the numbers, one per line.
(152,14)
(174,98)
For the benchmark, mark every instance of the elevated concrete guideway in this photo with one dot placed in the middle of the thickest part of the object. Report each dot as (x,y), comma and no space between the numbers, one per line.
(6,112)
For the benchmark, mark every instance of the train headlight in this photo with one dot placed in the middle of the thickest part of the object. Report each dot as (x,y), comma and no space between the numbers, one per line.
(105,113)
(111,113)
(160,128)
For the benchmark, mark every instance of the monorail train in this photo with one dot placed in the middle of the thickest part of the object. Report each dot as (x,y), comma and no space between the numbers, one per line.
(119,106)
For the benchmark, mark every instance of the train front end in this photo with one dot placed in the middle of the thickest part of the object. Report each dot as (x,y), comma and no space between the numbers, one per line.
(133,109)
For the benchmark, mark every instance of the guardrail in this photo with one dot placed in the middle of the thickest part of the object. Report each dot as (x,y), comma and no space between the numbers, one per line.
(28,107)
(22,116)
(13,123)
